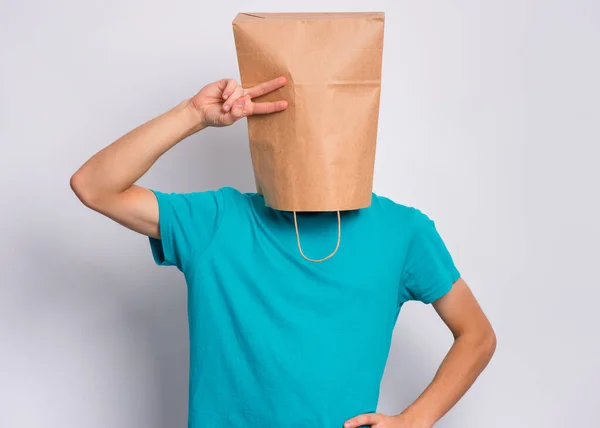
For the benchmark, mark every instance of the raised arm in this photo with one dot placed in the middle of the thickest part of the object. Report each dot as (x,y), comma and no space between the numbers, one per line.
(105,183)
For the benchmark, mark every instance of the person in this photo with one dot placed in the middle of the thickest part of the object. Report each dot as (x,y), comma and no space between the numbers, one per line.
(275,340)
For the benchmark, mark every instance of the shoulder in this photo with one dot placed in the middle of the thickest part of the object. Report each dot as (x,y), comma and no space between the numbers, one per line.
(235,198)
(221,196)
(202,203)
(407,217)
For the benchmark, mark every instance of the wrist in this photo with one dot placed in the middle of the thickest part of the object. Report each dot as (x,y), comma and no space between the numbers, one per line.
(191,116)
(414,420)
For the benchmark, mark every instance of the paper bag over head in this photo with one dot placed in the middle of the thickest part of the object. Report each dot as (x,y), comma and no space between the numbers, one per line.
(318,154)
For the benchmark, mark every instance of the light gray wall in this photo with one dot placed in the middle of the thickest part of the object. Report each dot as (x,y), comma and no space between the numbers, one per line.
(489,123)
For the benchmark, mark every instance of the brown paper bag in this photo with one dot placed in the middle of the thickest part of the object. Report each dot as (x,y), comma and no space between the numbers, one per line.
(319,154)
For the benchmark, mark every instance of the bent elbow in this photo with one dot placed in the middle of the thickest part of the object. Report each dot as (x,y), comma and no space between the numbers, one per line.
(488,343)
(80,189)
(76,184)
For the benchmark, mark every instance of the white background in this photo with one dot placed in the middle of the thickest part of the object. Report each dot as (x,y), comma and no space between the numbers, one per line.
(489,124)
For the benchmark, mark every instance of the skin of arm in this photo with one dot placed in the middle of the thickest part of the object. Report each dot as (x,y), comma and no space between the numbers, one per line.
(474,345)
(105,183)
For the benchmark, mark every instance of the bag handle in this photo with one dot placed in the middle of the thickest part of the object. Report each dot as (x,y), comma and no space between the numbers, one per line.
(336,247)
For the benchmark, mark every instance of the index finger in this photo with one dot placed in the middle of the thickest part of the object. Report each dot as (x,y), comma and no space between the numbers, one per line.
(265,88)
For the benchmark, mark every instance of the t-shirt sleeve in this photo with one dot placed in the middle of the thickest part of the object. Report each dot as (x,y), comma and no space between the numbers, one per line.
(429,269)
(188,223)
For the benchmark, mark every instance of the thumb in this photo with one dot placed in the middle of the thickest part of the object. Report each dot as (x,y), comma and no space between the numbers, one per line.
(364,419)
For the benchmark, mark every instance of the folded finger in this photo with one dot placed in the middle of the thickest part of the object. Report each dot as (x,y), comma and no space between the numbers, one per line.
(228,87)
(241,107)
(236,93)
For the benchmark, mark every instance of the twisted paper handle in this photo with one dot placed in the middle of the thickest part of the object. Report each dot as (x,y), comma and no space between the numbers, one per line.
(336,247)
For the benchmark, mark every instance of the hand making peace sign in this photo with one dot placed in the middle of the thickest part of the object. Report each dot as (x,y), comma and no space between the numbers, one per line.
(222,103)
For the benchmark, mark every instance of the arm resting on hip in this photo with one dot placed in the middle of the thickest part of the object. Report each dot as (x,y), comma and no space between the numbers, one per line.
(474,345)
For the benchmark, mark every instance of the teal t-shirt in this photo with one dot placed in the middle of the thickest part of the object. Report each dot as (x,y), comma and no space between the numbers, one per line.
(278,341)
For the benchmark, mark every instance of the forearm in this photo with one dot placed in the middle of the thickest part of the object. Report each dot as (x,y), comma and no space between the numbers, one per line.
(118,166)
(467,358)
